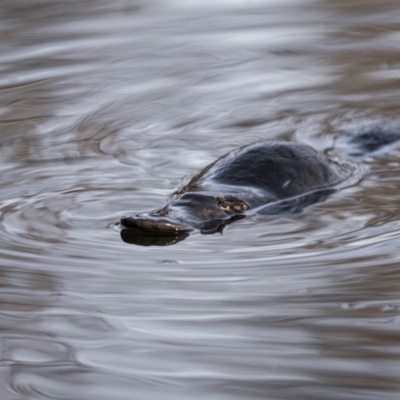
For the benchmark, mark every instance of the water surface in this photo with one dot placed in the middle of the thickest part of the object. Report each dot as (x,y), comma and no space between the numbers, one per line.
(105,109)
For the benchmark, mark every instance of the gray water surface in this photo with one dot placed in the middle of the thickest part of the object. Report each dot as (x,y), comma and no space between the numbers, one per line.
(105,109)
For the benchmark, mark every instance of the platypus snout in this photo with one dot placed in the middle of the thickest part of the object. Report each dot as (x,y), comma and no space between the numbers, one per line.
(161,225)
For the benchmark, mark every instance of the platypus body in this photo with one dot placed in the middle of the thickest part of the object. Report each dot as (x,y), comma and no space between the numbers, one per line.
(263,178)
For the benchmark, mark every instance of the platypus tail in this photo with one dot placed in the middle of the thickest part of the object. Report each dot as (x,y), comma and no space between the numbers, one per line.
(374,139)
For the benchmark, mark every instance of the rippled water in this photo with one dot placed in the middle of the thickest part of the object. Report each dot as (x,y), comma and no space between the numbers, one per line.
(105,109)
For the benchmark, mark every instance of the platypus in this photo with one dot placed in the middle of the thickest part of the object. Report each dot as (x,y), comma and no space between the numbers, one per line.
(271,177)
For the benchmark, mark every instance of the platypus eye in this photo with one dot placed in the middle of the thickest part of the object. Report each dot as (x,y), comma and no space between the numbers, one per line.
(231,205)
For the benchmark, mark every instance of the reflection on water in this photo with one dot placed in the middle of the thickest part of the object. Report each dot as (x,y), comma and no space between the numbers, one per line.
(142,238)
(104,110)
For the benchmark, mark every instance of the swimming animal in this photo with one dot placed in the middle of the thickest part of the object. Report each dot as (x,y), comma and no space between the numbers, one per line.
(264,178)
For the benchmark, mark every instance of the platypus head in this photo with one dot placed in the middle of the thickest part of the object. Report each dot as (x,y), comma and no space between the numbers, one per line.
(191,211)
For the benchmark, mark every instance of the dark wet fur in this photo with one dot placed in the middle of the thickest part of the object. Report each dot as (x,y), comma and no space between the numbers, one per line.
(296,205)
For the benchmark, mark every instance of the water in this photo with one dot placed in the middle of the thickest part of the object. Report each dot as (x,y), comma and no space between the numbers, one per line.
(105,109)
